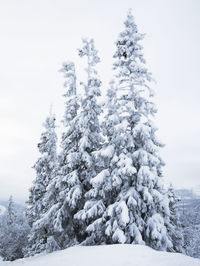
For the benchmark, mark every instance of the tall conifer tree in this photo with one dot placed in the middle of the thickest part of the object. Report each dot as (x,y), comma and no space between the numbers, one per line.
(45,168)
(130,185)
(91,139)
(67,185)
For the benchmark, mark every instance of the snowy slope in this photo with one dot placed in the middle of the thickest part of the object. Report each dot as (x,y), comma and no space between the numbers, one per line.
(2,209)
(112,255)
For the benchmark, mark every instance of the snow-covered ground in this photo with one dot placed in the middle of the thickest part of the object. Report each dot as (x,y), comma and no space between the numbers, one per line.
(112,255)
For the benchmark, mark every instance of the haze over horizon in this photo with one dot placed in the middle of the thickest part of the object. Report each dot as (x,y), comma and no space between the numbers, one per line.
(37,36)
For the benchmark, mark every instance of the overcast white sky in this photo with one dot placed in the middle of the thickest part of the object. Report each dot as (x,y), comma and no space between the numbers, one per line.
(36,36)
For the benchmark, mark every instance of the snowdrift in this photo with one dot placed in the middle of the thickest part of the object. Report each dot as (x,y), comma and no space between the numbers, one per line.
(112,255)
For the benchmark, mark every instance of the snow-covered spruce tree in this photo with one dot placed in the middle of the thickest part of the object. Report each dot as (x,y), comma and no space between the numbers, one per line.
(176,230)
(91,139)
(45,169)
(131,187)
(66,190)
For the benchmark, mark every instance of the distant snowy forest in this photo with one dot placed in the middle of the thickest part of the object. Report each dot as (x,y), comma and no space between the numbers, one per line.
(105,186)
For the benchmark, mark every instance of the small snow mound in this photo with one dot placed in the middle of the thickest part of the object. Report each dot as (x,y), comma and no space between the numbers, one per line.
(116,255)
